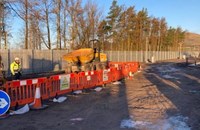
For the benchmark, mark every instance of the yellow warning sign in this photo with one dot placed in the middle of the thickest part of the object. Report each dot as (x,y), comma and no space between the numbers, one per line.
(64,82)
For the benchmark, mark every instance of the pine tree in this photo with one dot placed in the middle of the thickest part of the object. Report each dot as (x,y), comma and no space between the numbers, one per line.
(112,19)
(142,28)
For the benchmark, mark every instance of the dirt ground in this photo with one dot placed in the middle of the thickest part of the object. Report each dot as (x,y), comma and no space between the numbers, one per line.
(162,96)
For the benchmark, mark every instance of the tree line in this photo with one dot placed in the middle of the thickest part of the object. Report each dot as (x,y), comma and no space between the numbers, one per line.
(70,24)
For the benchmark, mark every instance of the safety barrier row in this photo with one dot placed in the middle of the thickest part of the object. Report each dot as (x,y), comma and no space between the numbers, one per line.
(22,92)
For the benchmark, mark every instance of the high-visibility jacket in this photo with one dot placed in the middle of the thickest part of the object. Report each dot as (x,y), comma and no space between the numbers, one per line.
(15,68)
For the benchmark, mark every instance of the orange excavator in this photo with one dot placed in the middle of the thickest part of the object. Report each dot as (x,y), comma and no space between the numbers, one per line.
(85,59)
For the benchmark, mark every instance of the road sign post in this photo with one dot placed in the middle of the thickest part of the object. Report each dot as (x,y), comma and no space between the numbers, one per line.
(4,102)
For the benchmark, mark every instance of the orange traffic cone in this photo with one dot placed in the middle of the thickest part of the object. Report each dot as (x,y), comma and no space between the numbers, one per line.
(140,68)
(37,104)
(130,75)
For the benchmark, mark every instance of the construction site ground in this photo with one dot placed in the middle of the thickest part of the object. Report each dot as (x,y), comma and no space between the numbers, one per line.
(162,96)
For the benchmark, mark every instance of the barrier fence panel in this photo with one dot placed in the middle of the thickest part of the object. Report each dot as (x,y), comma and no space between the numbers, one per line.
(74,81)
(114,73)
(53,85)
(23,91)
(125,70)
(82,80)
(59,84)
(88,79)
(43,84)
(134,66)
(118,72)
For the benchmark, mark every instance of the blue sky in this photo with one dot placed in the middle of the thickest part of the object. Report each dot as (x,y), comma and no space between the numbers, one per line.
(183,13)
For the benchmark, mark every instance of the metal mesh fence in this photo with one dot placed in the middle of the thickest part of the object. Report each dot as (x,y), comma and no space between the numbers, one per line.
(37,61)
(141,56)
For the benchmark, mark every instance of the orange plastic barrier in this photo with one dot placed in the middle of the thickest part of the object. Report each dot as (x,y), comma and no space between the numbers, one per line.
(62,84)
(126,67)
(43,83)
(22,92)
(134,66)
(117,74)
(74,81)
(88,79)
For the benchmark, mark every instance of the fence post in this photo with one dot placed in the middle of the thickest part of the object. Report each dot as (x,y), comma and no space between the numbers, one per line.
(146,48)
(118,56)
(33,59)
(125,56)
(9,62)
(136,55)
(131,58)
(52,60)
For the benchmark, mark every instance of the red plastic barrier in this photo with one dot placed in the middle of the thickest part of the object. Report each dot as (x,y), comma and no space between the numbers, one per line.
(126,70)
(127,67)
(62,84)
(88,79)
(134,66)
(115,74)
(23,91)
(74,81)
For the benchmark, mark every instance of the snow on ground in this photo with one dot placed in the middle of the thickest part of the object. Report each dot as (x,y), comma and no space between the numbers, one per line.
(77,92)
(168,71)
(129,123)
(116,83)
(172,123)
(60,99)
(167,76)
(98,89)
(167,68)
(192,65)
(76,119)
(22,110)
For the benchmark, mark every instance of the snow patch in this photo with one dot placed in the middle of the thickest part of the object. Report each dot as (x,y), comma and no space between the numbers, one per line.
(116,83)
(169,77)
(98,89)
(77,92)
(20,111)
(194,91)
(167,69)
(129,123)
(60,99)
(76,119)
(192,65)
(172,123)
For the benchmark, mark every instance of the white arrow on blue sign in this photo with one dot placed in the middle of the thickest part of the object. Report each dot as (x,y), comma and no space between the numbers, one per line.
(4,102)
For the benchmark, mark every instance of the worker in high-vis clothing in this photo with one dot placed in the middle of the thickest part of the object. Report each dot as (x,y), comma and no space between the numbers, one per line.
(15,68)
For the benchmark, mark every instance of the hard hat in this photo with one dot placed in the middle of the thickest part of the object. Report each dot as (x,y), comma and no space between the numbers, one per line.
(16,58)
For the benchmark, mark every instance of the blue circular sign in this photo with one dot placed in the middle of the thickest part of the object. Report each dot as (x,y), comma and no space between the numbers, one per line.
(4,102)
